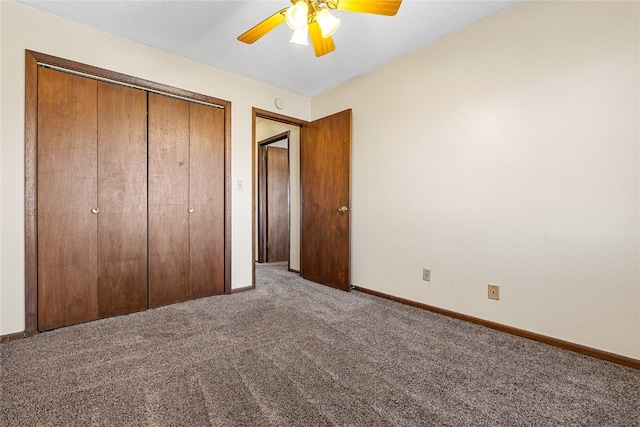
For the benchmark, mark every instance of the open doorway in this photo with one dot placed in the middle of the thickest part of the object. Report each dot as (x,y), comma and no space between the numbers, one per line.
(276,141)
(320,169)
(273,199)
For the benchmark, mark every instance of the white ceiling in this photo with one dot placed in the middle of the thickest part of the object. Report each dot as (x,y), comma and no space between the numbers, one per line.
(206,31)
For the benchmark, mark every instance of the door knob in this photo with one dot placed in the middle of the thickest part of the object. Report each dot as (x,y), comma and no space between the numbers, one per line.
(343,210)
(95,210)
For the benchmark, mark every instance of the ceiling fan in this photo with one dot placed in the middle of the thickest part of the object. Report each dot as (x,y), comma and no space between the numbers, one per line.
(312,18)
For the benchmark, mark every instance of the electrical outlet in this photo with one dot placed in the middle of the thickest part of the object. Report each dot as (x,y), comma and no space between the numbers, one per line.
(493,291)
(426,274)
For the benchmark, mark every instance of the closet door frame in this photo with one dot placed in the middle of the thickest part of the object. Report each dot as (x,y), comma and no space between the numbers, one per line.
(32,61)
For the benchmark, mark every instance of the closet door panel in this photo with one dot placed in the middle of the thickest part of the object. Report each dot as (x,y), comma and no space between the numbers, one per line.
(67,187)
(206,200)
(168,145)
(122,199)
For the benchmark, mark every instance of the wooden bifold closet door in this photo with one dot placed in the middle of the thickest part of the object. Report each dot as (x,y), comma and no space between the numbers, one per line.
(91,182)
(130,199)
(122,200)
(186,200)
(126,203)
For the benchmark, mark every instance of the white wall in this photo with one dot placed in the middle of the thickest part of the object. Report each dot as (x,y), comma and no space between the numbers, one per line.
(25,28)
(507,153)
(265,129)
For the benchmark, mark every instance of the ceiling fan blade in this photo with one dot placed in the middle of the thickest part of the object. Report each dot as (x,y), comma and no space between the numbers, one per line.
(321,45)
(263,28)
(377,7)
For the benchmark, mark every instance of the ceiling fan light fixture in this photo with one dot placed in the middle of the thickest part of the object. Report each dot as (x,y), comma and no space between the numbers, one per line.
(296,15)
(301,36)
(313,24)
(328,23)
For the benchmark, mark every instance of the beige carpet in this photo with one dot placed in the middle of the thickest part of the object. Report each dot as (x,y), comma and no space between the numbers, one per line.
(294,353)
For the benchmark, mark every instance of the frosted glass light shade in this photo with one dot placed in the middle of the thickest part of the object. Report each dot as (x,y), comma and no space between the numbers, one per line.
(328,23)
(300,36)
(296,15)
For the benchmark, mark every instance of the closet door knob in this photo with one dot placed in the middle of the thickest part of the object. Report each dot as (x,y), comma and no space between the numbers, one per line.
(190,210)
(95,210)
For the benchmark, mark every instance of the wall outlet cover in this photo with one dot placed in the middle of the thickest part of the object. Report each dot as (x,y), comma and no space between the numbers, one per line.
(493,292)
(426,274)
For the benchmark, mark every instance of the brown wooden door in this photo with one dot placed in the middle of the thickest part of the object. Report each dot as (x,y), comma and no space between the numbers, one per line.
(92,243)
(206,221)
(92,206)
(186,200)
(67,192)
(277,204)
(325,174)
(122,200)
(168,141)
